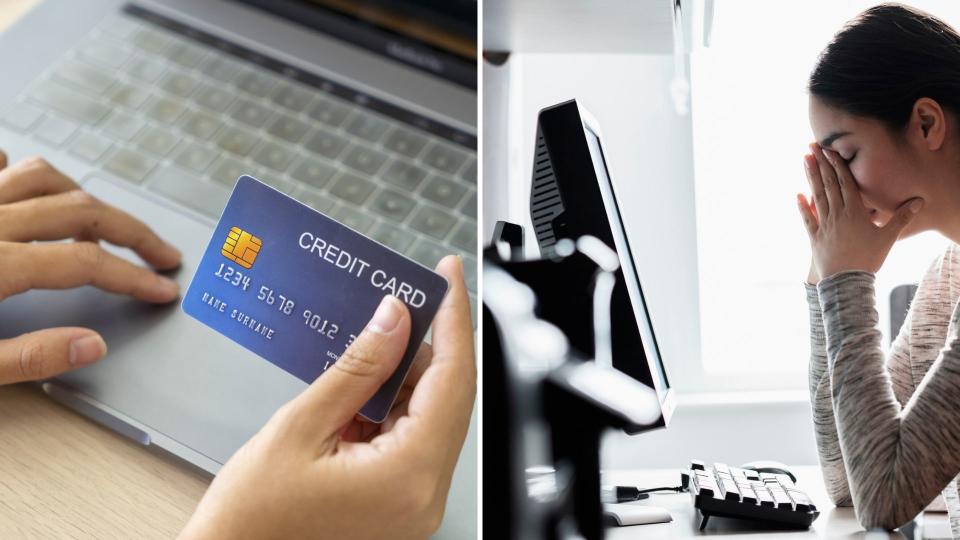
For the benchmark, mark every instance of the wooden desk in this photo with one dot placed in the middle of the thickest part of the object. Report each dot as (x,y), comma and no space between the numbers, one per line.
(832,523)
(64,476)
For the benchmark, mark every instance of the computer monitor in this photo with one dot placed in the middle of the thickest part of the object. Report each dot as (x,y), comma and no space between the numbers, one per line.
(572,195)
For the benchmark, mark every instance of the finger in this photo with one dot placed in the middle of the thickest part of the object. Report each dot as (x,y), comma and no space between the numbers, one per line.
(336,396)
(69,265)
(816,186)
(845,182)
(442,402)
(46,353)
(30,178)
(828,176)
(809,220)
(903,216)
(76,213)
(3,160)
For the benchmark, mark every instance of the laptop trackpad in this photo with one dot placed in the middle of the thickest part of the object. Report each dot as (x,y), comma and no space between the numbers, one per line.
(163,369)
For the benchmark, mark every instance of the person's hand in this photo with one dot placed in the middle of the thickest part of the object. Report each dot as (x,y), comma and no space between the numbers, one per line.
(37,203)
(842,235)
(805,205)
(317,471)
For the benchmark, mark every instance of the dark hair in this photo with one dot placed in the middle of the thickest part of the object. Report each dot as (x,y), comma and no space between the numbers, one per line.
(880,63)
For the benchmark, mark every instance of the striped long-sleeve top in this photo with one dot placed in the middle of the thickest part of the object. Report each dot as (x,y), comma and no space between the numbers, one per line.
(888,429)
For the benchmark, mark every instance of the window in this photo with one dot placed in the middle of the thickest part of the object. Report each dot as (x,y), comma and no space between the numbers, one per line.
(750,131)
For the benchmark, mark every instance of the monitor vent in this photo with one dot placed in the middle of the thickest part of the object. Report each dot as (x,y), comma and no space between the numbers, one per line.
(545,201)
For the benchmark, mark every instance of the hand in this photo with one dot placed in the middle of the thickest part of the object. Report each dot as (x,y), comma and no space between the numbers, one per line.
(316,471)
(842,235)
(37,202)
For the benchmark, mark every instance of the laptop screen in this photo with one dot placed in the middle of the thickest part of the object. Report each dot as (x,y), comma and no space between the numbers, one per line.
(436,36)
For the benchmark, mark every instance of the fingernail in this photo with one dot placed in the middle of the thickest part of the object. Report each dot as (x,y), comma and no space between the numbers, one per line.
(916,205)
(167,286)
(387,316)
(174,252)
(87,349)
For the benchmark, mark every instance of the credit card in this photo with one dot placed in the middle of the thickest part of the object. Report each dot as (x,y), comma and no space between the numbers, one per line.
(296,287)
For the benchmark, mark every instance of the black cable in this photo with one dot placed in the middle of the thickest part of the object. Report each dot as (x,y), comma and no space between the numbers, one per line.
(631,493)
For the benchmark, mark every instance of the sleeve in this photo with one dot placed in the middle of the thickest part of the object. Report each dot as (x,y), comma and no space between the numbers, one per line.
(824,424)
(898,457)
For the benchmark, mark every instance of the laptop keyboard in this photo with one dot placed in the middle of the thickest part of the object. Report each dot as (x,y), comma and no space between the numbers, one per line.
(184,120)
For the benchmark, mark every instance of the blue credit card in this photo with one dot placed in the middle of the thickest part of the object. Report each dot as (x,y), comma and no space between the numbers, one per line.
(296,287)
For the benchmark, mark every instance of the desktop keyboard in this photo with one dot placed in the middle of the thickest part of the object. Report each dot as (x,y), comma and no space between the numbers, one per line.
(740,493)
(183,114)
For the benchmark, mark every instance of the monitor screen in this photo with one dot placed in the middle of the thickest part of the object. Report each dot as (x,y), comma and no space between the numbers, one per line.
(627,268)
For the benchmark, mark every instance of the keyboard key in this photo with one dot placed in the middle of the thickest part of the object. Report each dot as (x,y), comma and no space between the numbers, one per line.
(213,98)
(106,53)
(393,204)
(185,188)
(129,165)
(187,55)
(222,68)
(21,116)
(433,221)
(236,139)
(254,82)
(442,191)
(763,494)
(179,83)
(728,487)
(367,126)
(288,128)
(67,102)
(157,140)
(465,237)
(195,157)
(277,181)
(316,200)
(291,97)
(800,500)
(328,145)
(470,272)
(84,76)
(353,219)
(364,159)
(199,124)
(127,95)
(314,172)
(445,158)
(404,175)
(406,142)
(163,110)
(145,69)
(328,111)
(227,170)
(391,236)
(427,253)
(89,146)
(469,173)
(55,131)
(122,126)
(249,112)
(152,41)
(469,206)
(274,156)
(780,496)
(352,188)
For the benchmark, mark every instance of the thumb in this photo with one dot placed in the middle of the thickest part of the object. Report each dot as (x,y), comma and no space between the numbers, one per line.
(336,396)
(46,353)
(904,215)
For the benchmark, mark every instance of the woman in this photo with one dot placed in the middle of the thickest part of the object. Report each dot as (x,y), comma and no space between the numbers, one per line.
(885,110)
(315,470)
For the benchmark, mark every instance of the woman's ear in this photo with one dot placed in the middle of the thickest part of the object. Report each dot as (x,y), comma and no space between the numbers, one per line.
(929,121)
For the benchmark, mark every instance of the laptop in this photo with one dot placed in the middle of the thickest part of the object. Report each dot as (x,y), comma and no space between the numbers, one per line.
(363,110)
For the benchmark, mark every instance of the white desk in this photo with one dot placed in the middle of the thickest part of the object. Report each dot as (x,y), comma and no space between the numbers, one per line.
(833,522)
